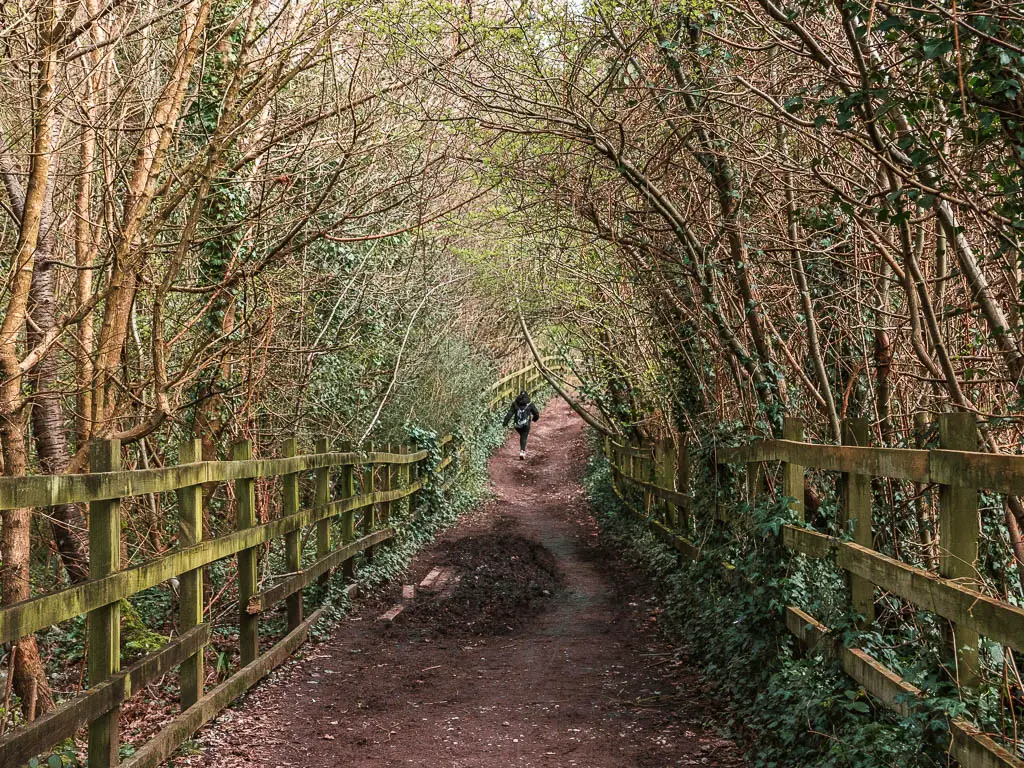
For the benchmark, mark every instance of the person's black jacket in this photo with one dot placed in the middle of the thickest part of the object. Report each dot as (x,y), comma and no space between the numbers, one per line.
(521,402)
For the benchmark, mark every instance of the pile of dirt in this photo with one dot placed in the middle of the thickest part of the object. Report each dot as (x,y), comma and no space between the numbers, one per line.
(500,581)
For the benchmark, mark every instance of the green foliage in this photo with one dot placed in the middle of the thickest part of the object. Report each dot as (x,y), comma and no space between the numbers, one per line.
(64,756)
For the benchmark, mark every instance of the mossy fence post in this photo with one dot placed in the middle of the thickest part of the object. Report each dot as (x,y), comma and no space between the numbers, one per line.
(414,477)
(404,478)
(682,483)
(292,539)
(348,517)
(649,474)
(958,538)
(321,498)
(245,501)
(856,517)
(104,636)
(387,483)
(793,474)
(370,513)
(190,584)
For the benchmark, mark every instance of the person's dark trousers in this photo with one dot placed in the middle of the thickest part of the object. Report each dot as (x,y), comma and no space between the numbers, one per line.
(524,434)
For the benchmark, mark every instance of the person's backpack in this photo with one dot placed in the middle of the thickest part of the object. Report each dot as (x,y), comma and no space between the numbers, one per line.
(523,416)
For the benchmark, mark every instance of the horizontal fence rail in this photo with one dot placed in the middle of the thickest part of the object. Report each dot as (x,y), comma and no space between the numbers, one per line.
(645,472)
(356,489)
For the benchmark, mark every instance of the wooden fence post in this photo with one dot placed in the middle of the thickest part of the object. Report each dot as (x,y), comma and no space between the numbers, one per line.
(348,518)
(190,583)
(104,635)
(668,480)
(958,537)
(321,498)
(292,539)
(683,483)
(404,475)
(649,474)
(245,499)
(415,473)
(370,513)
(793,474)
(923,505)
(856,518)
(387,483)
(754,480)
(662,479)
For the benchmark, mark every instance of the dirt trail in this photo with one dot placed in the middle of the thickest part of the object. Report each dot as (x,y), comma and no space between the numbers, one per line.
(540,650)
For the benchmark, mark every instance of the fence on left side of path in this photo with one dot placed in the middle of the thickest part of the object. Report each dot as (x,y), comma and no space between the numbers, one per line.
(346,487)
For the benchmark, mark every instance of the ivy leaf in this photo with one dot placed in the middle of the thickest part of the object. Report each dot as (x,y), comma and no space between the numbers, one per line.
(933,49)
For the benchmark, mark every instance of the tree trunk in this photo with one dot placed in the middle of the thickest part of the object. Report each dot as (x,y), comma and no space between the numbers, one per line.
(48,422)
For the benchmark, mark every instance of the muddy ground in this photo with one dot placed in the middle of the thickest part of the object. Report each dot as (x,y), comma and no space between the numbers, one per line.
(532,646)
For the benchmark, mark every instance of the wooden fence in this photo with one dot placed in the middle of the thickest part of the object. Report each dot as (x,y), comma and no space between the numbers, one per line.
(357,489)
(659,475)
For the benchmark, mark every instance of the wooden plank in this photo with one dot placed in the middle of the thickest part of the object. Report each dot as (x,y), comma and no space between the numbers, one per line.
(671,496)
(391,614)
(958,539)
(39,736)
(292,542)
(974,749)
(633,451)
(104,624)
(182,728)
(680,543)
(810,543)
(809,631)
(245,500)
(299,581)
(51,490)
(995,472)
(878,680)
(190,588)
(503,388)
(897,463)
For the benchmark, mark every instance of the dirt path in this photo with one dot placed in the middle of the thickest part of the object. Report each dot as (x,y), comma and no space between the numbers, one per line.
(540,650)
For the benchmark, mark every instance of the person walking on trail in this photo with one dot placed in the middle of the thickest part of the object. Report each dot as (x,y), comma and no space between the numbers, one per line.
(522,413)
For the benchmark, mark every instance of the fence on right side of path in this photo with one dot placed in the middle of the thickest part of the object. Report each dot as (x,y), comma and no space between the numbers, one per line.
(653,481)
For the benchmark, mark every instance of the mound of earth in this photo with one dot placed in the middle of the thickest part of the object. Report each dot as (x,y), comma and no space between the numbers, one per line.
(498,582)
